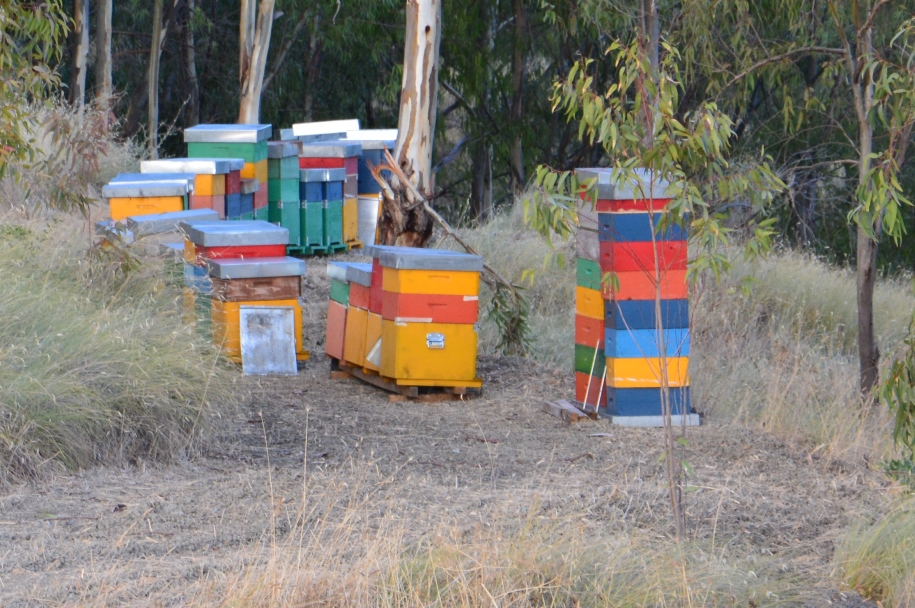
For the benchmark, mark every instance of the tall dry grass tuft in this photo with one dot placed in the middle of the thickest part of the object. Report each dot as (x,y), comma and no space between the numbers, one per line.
(95,366)
(782,356)
(878,559)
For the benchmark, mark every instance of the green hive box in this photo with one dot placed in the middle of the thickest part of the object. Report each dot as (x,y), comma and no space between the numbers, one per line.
(311,215)
(584,356)
(282,189)
(284,168)
(339,291)
(588,274)
(247,216)
(286,214)
(333,222)
(262,214)
(252,153)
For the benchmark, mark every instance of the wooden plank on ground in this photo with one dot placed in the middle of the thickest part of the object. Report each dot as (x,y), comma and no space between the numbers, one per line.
(564,410)
(589,410)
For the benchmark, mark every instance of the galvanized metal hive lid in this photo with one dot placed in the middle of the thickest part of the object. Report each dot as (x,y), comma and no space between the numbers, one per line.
(413,258)
(172,249)
(359,273)
(228,133)
(608,187)
(326,127)
(197,166)
(322,175)
(374,136)
(334,148)
(255,268)
(282,149)
(337,270)
(235,233)
(164,222)
(250,185)
(155,177)
(144,189)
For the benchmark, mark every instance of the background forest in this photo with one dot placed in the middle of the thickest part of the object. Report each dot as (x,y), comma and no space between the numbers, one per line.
(771,65)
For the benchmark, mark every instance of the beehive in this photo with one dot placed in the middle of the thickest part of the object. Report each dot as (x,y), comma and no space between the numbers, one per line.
(144,198)
(323,148)
(214,179)
(438,347)
(283,188)
(639,259)
(257,282)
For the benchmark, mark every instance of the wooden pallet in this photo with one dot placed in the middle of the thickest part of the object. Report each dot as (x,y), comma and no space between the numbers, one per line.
(400,391)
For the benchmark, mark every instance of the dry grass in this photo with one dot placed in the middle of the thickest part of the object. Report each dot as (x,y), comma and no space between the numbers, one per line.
(878,559)
(95,366)
(337,554)
(782,357)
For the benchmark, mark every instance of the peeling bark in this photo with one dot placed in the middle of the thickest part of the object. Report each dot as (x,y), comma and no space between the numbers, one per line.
(404,219)
(81,53)
(254,44)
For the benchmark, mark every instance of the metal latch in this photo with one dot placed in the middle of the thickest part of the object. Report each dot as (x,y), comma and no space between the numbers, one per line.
(435,341)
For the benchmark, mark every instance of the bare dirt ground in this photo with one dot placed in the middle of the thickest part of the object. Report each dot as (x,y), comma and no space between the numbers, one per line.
(160,535)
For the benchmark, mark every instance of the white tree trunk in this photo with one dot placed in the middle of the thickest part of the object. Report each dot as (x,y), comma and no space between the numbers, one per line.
(404,221)
(103,87)
(419,95)
(155,51)
(81,55)
(254,44)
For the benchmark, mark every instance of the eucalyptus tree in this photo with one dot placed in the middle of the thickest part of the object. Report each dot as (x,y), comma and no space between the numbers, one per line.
(831,89)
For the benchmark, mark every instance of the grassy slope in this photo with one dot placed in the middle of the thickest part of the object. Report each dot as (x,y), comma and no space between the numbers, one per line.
(95,365)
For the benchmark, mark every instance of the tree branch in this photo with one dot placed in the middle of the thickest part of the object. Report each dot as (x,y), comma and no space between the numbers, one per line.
(822,50)
(869,22)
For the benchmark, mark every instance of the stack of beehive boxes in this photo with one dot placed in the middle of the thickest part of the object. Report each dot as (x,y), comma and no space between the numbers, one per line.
(283,188)
(340,157)
(244,264)
(373,142)
(212,177)
(245,142)
(321,193)
(637,264)
(410,318)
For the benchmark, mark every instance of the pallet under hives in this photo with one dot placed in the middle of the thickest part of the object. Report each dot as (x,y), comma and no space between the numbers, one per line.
(406,322)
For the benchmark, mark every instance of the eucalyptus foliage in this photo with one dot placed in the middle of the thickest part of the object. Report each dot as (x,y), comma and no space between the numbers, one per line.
(30,42)
(638,124)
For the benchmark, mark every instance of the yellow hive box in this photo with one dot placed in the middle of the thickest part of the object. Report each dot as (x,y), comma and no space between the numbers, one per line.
(256,170)
(646,372)
(226,325)
(350,220)
(190,252)
(589,303)
(437,282)
(372,342)
(354,337)
(210,185)
(442,352)
(122,208)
